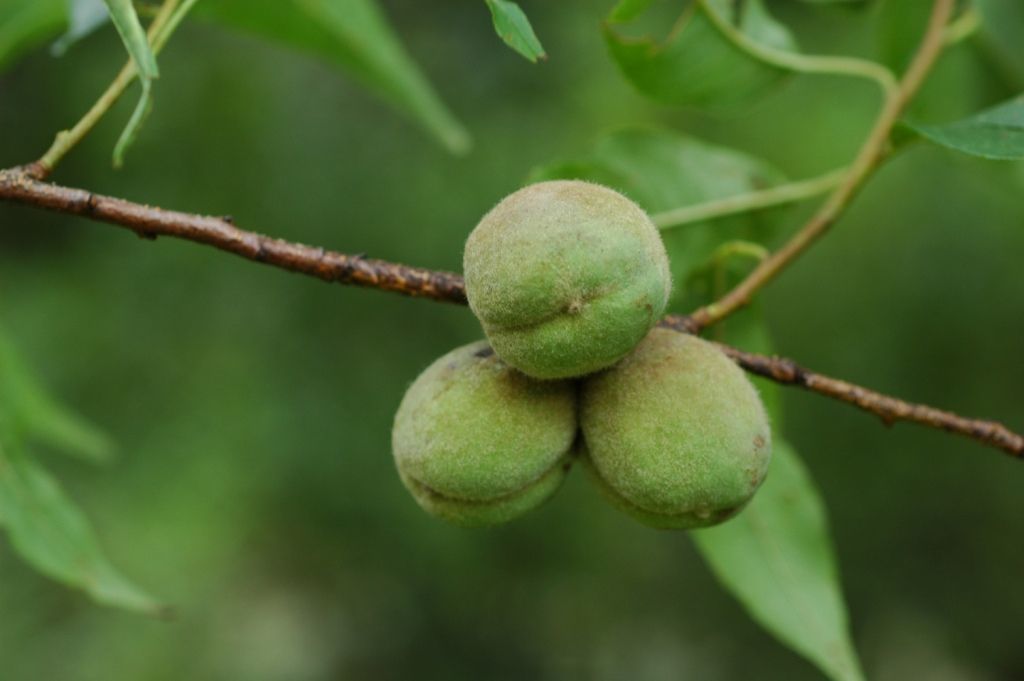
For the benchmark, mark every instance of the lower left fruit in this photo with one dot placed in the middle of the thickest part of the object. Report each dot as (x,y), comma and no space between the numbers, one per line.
(477,442)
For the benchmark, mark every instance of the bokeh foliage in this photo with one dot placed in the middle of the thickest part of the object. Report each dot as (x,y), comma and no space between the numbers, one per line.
(255,489)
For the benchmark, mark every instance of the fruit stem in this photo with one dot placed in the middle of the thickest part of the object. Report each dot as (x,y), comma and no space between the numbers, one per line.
(750,201)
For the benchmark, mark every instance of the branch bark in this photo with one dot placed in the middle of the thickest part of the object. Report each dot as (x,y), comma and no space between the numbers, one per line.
(22,186)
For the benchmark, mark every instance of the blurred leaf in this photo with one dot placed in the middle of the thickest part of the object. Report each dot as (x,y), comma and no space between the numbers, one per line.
(49,532)
(514,28)
(31,409)
(662,170)
(122,13)
(24,24)
(84,17)
(996,133)
(777,558)
(355,35)
(900,27)
(699,64)
(1001,40)
(627,10)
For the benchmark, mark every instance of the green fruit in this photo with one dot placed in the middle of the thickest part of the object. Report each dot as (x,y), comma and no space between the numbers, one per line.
(566,277)
(675,434)
(477,442)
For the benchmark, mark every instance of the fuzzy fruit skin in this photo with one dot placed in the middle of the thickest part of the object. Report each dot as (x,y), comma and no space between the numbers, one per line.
(675,434)
(477,442)
(566,277)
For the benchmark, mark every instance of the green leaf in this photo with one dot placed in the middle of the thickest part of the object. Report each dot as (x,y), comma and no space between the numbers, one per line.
(49,532)
(24,24)
(355,36)
(514,28)
(776,557)
(996,133)
(662,170)
(40,417)
(131,130)
(628,10)
(699,63)
(122,13)
(84,17)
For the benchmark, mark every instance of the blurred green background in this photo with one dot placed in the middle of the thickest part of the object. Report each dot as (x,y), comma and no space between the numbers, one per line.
(255,489)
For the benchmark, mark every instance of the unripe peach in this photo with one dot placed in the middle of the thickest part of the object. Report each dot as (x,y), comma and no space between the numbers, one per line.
(566,277)
(675,434)
(477,442)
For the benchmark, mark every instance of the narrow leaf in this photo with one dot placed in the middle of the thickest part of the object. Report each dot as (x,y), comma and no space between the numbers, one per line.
(32,410)
(122,12)
(24,24)
(84,17)
(777,559)
(698,64)
(514,28)
(49,532)
(131,130)
(996,133)
(355,36)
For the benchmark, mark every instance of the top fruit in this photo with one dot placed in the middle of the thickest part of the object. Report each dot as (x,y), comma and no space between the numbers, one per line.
(566,277)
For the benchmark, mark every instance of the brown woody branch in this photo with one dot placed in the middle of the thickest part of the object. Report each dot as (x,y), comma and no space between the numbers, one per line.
(22,185)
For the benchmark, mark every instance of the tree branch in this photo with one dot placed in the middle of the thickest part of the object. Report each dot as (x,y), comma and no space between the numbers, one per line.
(149,222)
(871,152)
(17,185)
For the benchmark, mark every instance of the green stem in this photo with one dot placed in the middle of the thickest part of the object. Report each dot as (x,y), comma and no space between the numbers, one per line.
(166,20)
(963,27)
(756,200)
(747,249)
(804,63)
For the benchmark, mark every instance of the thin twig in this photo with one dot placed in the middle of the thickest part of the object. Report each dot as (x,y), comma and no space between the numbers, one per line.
(871,152)
(824,65)
(17,185)
(778,195)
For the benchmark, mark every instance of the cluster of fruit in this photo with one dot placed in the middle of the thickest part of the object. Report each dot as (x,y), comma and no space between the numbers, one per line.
(568,280)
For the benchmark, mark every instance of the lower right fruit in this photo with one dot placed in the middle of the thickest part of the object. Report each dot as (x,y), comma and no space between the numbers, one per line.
(675,434)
